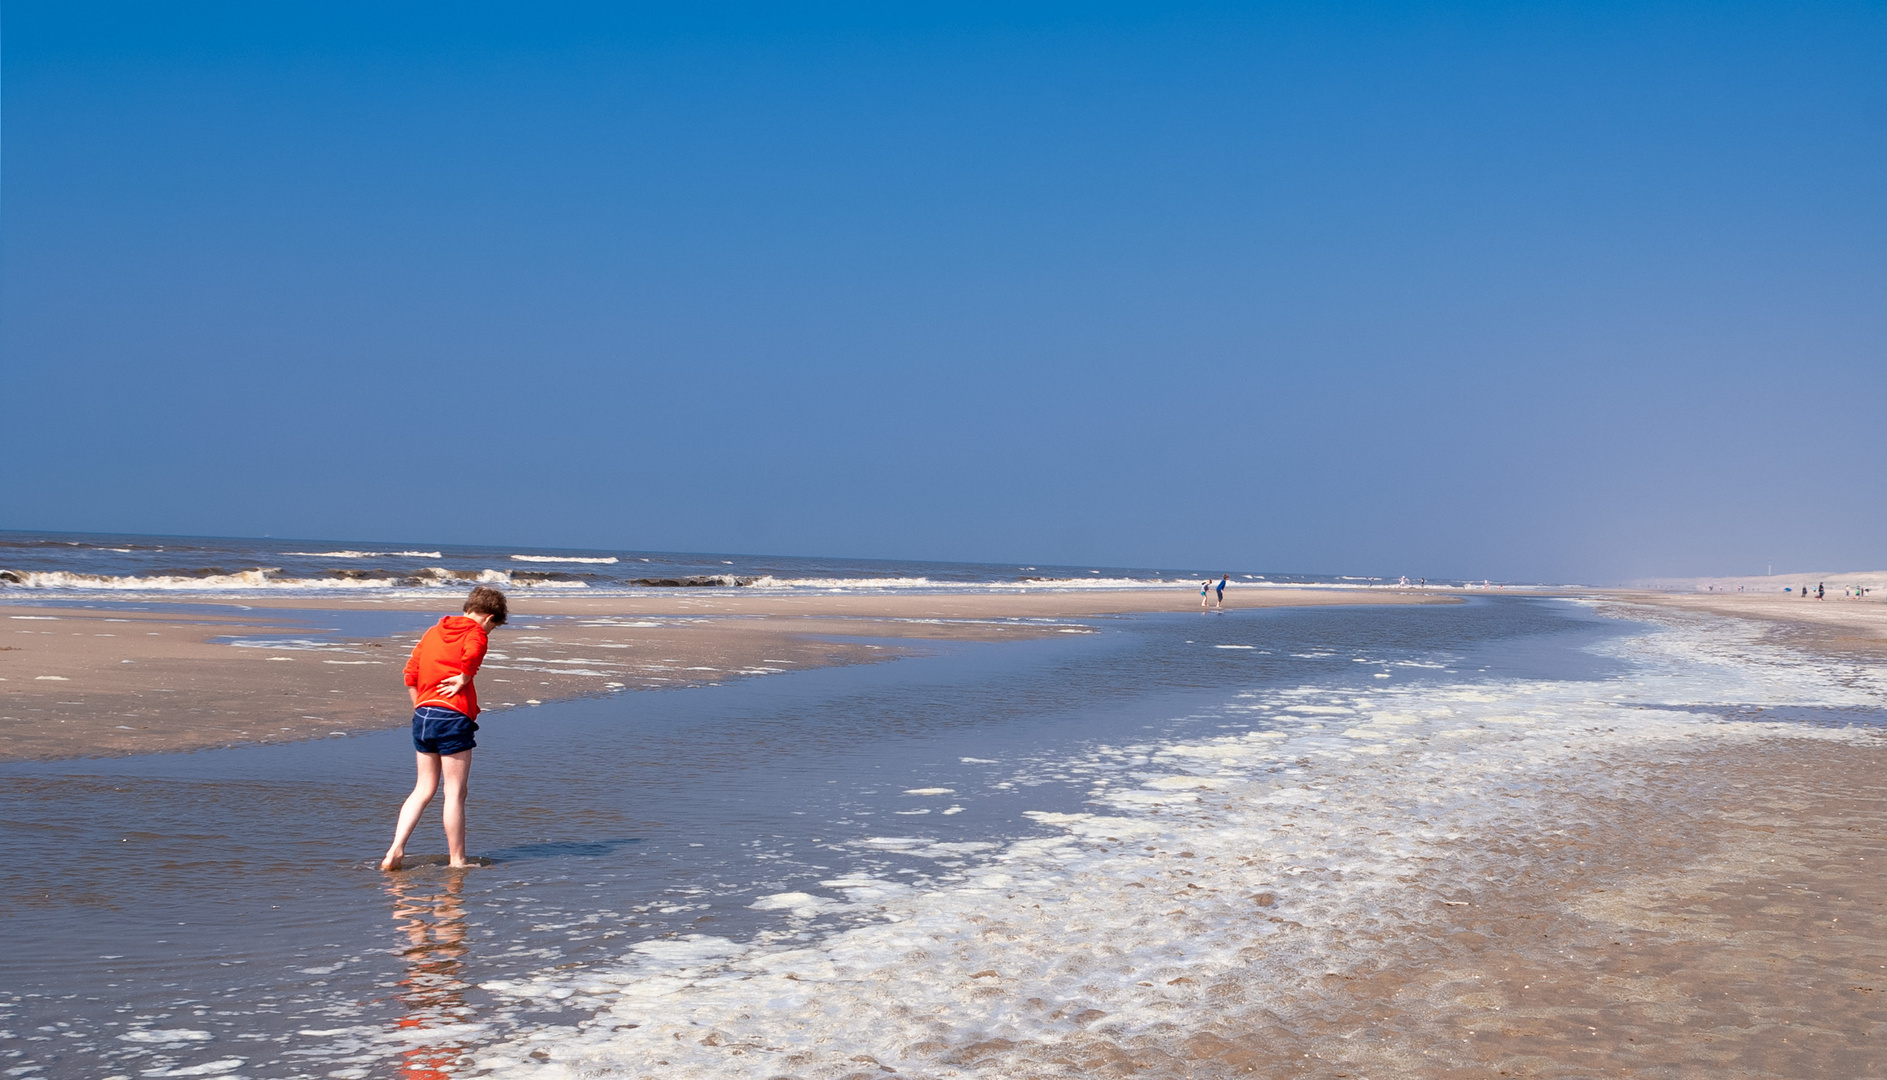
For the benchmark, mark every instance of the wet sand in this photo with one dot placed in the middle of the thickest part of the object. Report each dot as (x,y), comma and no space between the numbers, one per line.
(1723,915)
(1718,915)
(1838,625)
(104,680)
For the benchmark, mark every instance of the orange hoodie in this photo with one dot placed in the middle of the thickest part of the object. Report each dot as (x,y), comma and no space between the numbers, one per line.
(454,647)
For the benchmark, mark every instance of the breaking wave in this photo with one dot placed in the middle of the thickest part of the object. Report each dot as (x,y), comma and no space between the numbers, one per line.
(365,554)
(768,581)
(265,578)
(601,559)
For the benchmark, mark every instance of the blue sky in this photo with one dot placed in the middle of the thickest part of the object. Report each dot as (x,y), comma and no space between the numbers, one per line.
(1579,292)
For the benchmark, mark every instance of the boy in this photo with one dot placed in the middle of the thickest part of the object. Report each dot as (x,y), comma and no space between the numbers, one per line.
(445,713)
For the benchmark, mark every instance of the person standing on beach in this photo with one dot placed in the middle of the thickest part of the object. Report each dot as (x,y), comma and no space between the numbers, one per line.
(445,714)
(1205,590)
(1223,578)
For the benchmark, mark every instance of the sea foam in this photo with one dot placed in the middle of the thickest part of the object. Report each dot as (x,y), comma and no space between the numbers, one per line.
(603,560)
(267,579)
(365,554)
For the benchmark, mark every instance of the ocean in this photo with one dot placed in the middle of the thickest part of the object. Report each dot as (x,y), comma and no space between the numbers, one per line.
(93,564)
(966,862)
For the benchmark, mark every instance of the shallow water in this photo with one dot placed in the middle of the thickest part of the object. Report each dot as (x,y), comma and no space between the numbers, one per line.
(217,913)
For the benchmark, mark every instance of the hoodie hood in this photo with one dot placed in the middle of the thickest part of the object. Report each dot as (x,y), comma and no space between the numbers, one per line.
(456,627)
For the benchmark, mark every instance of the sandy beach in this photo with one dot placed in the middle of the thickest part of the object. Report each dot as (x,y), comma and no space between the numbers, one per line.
(1837,624)
(1580,888)
(1668,899)
(1707,914)
(78,681)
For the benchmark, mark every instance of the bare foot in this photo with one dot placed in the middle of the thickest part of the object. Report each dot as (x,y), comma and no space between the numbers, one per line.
(392,861)
(460,865)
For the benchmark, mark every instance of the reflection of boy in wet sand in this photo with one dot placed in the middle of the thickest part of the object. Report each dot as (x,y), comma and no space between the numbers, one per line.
(433,992)
(445,714)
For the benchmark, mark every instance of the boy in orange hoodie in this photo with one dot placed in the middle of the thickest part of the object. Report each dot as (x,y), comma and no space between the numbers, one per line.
(445,714)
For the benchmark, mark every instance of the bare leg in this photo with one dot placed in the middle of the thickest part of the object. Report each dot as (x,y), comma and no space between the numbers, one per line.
(458,774)
(415,805)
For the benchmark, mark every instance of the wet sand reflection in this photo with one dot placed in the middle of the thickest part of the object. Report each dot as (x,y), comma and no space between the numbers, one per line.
(430,914)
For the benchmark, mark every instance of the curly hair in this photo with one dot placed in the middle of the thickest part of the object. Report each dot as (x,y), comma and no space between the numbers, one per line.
(486,600)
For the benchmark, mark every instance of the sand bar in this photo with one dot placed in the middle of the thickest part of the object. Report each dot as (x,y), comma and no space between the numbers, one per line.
(105,679)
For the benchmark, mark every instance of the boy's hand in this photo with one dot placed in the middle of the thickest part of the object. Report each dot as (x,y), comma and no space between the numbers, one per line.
(450,687)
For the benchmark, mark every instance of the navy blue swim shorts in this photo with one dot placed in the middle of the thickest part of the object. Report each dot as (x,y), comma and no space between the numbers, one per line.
(439,730)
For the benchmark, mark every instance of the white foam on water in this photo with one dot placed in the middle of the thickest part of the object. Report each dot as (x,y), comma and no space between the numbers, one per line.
(921,584)
(802,905)
(365,554)
(265,580)
(220,1067)
(166,1035)
(604,560)
(287,644)
(1137,916)
(245,579)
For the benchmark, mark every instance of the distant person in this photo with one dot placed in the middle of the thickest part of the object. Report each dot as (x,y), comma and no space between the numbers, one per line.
(445,714)
(1223,578)
(1205,594)
(1821,590)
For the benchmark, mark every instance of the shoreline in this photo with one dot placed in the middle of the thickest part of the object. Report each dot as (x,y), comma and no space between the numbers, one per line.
(1447,878)
(102,678)
(1594,885)
(1836,626)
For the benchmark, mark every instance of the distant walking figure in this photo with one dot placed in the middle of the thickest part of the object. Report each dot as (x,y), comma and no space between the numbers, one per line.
(445,714)
(1821,589)
(1223,578)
